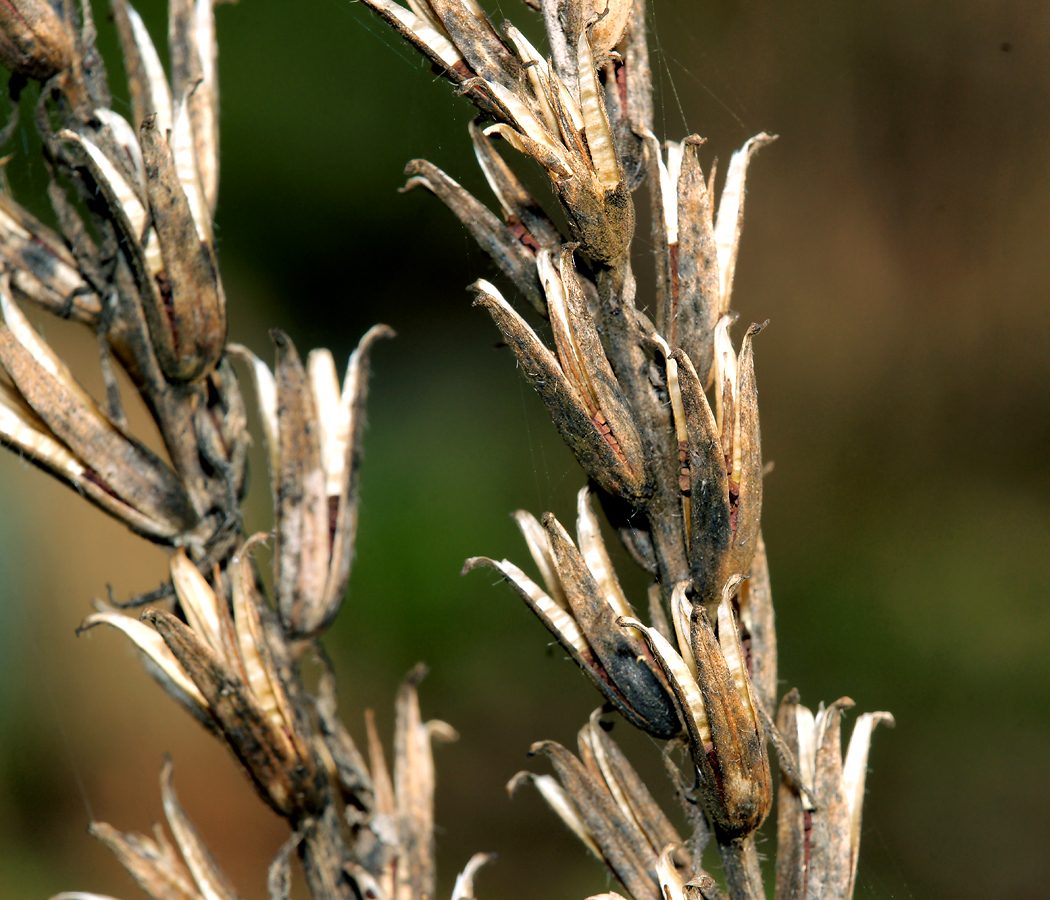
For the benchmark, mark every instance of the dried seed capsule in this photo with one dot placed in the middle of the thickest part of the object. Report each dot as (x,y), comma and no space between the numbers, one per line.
(33,37)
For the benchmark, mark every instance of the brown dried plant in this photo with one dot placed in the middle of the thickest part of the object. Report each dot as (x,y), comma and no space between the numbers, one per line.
(661,413)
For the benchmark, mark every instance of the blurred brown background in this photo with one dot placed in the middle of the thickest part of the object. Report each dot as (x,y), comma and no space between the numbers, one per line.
(897,235)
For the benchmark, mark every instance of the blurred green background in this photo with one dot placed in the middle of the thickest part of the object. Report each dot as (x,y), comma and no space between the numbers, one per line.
(897,235)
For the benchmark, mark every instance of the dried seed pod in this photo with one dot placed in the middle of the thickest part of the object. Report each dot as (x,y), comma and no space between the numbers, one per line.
(724,461)
(53,419)
(285,777)
(820,837)
(226,668)
(34,39)
(581,611)
(726,738)
(41,268)
(188,327)
(617,838)
(575,401)
(314,431)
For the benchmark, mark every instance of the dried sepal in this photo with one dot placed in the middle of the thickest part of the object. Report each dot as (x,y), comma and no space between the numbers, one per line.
(607,763)
(147,82)
(301,503)
(476,38)
(351,771)
(524,216)
(510,253)
(792,830)
(189,331)
(464,886)
(570,414)
(595,554)
(821,836)
(558,799)
(556,617)
(696,306)
(757,624)
(279,875)
(540,549)
(603,819)
(41,268)
(342,469)
(144,491)
(266,398)
(285,776)
(81,895)
(414,790)
(625,659)
(210,879)
(730,217)
(152,863)
(422,33)
(164,667)
(191,37)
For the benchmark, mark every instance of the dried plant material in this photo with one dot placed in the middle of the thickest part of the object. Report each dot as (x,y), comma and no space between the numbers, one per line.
(53,419)
(820,837)
(464,886)
(758,629)
(279,875)
(194,78)
(725,469)
(730,219)
(556,117)
(34,39)
(725,735)
(314,430)
(609,18)
(414,788)
(147,83)
(41,268)
(523,214)
(509,251)
(582,610)
(154,863)
(617,837)
(631,792)
(189,331)
(211,881)
(574,403)
(678,476)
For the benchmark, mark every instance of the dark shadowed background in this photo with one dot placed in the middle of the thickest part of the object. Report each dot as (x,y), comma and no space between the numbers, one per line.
(898,237)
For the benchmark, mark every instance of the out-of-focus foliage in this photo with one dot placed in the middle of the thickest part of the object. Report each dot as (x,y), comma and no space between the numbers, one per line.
(896,237)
